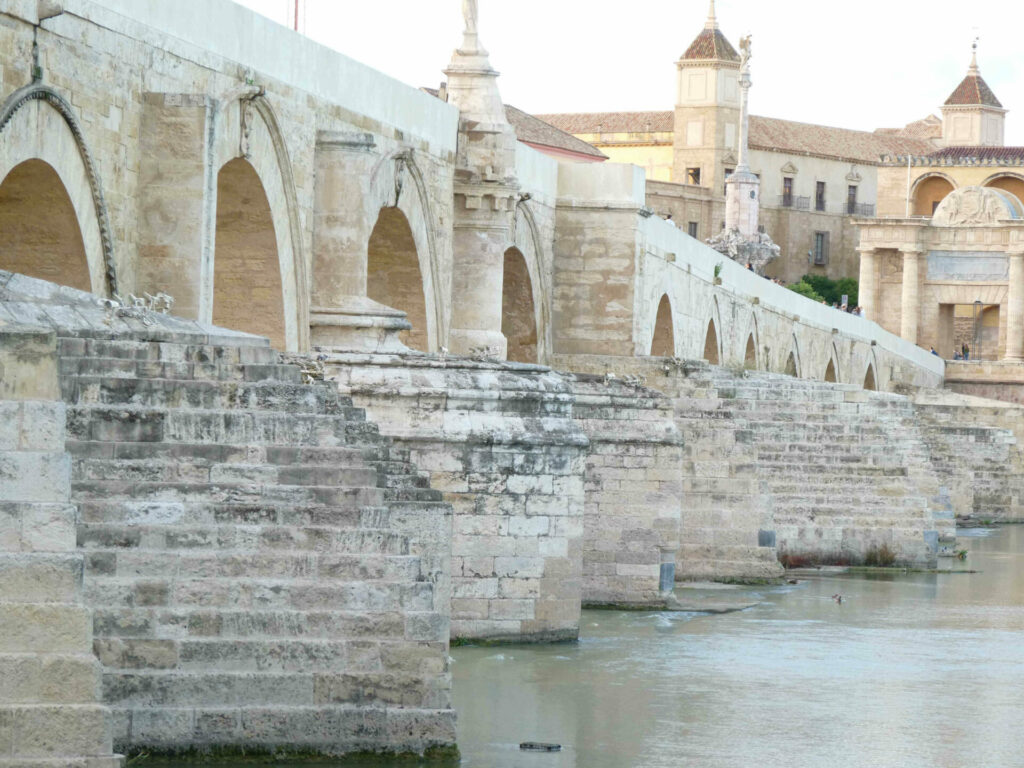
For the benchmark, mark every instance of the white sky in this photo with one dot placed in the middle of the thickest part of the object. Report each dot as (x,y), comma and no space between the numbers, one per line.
(852,63)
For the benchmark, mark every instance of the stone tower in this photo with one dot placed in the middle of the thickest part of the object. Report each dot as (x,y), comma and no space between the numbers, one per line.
(485,197)
(707,110)
(972,116)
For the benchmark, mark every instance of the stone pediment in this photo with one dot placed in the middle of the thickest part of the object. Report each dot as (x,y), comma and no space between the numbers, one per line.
(854,176)
(789,169)
(977,205)
(729,159)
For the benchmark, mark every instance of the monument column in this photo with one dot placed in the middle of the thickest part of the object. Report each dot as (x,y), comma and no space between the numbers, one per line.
(486,191)
(1015,309)
(868,289)
(910,301)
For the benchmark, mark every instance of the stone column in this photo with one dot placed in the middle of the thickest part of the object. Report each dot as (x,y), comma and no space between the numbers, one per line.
(910,299)
(485,196)
(868,290)
(1015,309)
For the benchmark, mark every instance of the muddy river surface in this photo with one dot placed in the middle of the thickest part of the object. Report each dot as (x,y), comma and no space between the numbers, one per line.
(908,670)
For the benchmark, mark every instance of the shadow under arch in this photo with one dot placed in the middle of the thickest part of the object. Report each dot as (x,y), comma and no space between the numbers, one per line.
(393,275)
(39,232)
(389,189)
(263,147)
(527,240)
(518,308)
(1007,181)
(49,137)
(929,190)
(663,339)
(247,288)
(750,358)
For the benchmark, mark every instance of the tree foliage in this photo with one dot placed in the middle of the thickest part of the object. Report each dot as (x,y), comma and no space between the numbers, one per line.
(806,289)
(832,291)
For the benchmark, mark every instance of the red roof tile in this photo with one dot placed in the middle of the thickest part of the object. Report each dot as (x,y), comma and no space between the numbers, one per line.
(980,153)
(612,122)
(971,92)
(711,44)
(765,133)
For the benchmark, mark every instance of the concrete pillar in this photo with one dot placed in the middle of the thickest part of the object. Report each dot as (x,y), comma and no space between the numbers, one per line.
(910,300)
(1015,309)
(868,290)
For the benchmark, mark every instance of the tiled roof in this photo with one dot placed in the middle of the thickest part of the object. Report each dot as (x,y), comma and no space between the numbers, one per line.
(612,122)
(927,128)
(711,44)
(973,91)
(531,130)
(765,133)
(825,141)
(1015,154)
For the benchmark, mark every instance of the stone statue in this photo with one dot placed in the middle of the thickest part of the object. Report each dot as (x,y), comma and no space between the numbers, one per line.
(470,14)
(745,53)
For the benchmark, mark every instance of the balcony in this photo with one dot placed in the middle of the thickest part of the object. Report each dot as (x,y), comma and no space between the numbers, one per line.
(795,202)
(860,209)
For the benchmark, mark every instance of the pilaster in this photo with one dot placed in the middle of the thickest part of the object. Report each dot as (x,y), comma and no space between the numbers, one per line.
(868,290)
(910,300)
(1015,308)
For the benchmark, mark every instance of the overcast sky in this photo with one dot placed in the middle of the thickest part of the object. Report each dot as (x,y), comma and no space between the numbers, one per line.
(853,63)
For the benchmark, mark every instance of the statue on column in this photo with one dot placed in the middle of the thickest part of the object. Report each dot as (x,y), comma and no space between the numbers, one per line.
(745,53)
(470,14)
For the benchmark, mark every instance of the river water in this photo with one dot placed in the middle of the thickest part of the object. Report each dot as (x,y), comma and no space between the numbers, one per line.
(908,670)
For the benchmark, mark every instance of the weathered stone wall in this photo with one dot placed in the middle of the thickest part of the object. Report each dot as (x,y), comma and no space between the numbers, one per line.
(50,704)
(265,572)
(633,492)
(499,441)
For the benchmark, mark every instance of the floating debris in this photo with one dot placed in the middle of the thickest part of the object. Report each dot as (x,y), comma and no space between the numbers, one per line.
(536,746)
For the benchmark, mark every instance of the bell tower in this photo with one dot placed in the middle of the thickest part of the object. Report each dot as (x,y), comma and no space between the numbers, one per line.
(972,115)
(707,112)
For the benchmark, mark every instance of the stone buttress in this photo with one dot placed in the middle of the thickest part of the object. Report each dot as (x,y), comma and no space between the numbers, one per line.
(51,712)
(499,441)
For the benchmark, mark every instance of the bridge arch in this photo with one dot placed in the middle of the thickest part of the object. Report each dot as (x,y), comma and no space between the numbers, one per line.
(518,308)
(397,182)
(792,365)
(663,336)
(249,135)
(750,352)
(527,241)
(38,124)
(713,337)
(831,374)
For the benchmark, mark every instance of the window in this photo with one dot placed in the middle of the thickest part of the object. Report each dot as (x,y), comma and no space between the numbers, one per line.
(851,199)
(692,229)
(935,206)
(693,176)
(820,248)
(787,192)
(819,196)
(728,173)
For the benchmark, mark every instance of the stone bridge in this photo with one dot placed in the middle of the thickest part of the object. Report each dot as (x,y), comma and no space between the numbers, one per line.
(539,396)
